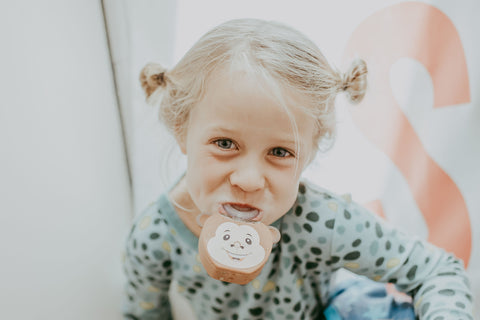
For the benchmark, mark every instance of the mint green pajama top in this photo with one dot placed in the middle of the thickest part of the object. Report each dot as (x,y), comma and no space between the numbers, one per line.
(321,233)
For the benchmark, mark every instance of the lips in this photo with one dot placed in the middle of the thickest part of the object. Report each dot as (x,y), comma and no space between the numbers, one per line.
(241,211)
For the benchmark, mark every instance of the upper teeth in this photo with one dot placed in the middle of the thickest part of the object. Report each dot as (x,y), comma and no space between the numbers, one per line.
(243,213)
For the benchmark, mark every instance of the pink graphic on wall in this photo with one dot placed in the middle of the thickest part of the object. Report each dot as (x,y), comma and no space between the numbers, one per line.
(422,32)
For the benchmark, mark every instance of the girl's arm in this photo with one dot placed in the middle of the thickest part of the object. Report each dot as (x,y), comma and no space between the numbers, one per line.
(148,270)
(434,278)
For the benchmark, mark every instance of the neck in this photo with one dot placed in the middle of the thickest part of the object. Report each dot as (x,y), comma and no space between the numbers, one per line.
(184,206)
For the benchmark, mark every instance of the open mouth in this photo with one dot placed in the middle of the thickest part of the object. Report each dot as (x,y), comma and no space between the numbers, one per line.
(241,212)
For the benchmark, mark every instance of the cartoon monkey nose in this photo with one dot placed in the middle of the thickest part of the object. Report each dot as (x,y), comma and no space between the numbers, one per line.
(236,244)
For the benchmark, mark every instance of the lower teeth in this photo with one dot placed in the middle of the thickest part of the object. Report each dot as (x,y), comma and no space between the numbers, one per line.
(243,215)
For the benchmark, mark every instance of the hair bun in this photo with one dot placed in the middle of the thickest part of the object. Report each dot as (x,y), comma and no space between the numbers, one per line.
(152,76)
(354,81)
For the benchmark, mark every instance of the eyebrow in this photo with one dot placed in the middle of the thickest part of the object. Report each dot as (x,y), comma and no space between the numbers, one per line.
(248,234)
(226,230)
(227,131)
(219,129)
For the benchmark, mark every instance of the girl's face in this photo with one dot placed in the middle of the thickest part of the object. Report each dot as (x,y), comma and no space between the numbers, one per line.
(241,150)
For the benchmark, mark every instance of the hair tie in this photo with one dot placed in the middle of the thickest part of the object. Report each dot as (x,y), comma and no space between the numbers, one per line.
(152,76)
(159,78)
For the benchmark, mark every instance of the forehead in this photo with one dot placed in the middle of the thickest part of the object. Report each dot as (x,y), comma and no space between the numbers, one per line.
(237,99)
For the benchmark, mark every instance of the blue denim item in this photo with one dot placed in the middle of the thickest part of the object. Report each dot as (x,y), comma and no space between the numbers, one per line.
(364,299)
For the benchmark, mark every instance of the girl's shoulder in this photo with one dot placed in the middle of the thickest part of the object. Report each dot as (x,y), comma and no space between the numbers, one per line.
(309,191)
(314,212)
(152,223)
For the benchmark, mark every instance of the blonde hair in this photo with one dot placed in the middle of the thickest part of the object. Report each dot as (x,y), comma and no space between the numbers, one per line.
(275,52)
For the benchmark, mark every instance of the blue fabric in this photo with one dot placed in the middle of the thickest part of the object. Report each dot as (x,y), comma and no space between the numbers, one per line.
(364,299)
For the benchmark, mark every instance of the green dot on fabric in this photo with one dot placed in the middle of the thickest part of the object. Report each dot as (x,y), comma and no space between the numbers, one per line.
(297,227)
(302,242)
(307,227)
(341,230)
(157,254)
(411,273)
(378,230)
(352,255)
(374,248)
(312,216)
(301,199)
(286,262)
(340,248)
(233,303)
(359,227)
(330,223)
(292,247)
(298,211)
(322,240)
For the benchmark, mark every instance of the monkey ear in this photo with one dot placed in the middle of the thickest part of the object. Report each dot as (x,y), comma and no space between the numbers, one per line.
(275,234)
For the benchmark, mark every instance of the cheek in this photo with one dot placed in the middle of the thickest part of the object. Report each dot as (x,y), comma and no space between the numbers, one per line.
(286,186)
(203,178)
(286,196)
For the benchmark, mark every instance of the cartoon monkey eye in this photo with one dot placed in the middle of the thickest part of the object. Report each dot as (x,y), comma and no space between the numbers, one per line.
(248,241)
(226,237)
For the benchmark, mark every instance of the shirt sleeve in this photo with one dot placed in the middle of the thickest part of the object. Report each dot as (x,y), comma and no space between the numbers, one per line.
(148,269)
(366,244)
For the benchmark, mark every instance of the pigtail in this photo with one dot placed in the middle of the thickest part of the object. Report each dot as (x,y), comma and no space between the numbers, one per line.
(152,77)
(354,81)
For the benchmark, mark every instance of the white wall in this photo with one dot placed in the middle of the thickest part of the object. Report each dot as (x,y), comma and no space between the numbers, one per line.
(64,190)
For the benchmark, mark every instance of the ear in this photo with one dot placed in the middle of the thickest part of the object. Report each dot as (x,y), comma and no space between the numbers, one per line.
(275,234)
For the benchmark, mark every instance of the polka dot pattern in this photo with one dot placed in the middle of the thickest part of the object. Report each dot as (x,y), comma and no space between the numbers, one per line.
(320,234)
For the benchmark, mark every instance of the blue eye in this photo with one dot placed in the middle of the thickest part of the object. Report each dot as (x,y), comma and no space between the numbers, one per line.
(280,152)
(224,143)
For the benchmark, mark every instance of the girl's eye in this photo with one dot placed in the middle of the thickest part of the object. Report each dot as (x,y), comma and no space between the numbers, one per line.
(280,152)
(224,143)
(248,241)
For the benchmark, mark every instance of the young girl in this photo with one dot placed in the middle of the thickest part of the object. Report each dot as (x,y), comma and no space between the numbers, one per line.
(249,105)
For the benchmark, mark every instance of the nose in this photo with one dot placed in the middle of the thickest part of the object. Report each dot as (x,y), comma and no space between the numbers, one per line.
(236,245)
(249,177)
